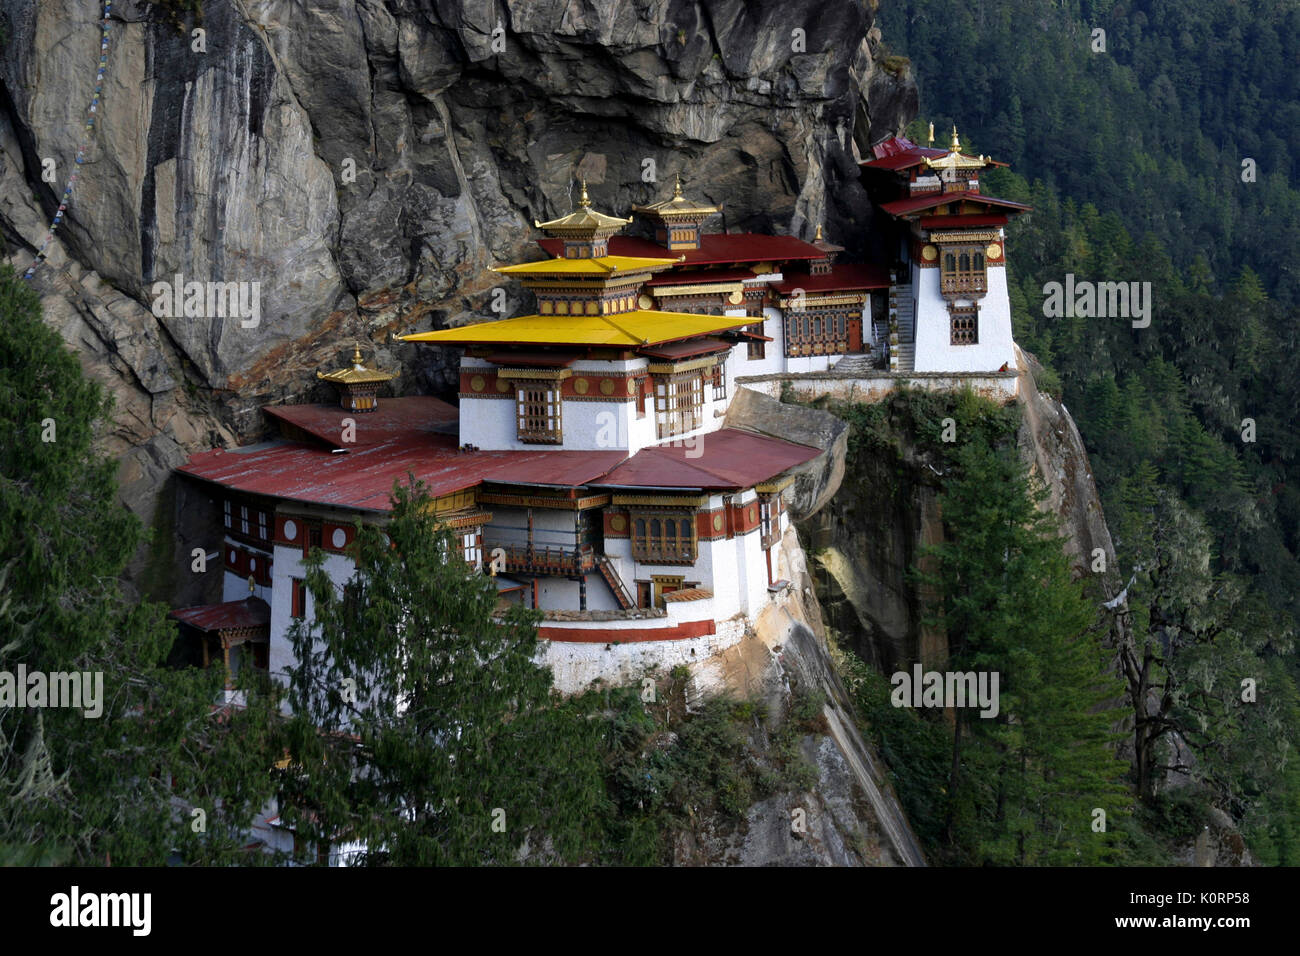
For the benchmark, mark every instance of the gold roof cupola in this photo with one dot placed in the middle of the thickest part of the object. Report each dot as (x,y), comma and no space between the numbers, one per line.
(677,220)
(358,384)
(585,231)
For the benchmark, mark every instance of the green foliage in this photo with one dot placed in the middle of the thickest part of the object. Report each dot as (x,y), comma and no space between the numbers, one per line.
(1137,155)
(94,790)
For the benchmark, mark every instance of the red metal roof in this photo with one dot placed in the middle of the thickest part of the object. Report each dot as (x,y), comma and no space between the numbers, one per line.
(899,152)
(902,207)
(684,276)
(395,417)
(362,478)
(687,349)
(250,612)
(727,458)
(947,222)
(845,277)
(715,248)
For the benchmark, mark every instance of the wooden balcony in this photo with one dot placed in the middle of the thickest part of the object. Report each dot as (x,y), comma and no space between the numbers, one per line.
(964,286)
(542,560)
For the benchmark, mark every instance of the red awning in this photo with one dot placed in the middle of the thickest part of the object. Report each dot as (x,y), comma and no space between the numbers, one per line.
(848,277)
(250,612)
(715,248)
(688,349)
(533,359)
(903,207)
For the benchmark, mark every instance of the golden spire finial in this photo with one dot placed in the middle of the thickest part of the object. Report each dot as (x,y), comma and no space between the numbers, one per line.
(584,201)
(356,354)
(818,237)
(932,134)
(956,143)
(677,190)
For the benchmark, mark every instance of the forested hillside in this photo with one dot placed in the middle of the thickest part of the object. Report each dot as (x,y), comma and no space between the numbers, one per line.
(1169,158)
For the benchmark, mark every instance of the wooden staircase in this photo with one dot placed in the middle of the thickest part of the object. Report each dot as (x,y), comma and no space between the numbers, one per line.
(615,582)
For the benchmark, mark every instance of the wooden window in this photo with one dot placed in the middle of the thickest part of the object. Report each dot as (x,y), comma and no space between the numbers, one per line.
(472,543)
(769,520)
(665,584)
(965,325)
(719,374)
(963,272)
(539,405)
(644,596)
(660,538)
(297,597)
(263,520)
(757,349)
(640,385)
(227,516)
(679,402)
(243,519)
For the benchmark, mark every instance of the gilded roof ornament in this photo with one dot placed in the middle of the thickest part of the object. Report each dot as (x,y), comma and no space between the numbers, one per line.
(678,207)
(584,222)
(357,373)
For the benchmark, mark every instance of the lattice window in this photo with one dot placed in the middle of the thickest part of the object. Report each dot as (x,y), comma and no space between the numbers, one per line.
(679,403)
(227,516)
(757,348)
(963,271)
(965,325)
(719,375)
(539,405)
(659,538)
(263,531)
(816,333)
(243,519)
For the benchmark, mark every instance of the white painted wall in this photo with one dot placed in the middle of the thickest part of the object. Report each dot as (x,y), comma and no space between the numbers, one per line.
(934,351)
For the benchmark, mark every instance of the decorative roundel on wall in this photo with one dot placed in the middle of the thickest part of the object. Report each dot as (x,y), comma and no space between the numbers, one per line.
(580,385)
(290,531)
(502,385)
(994,251)
(252,564)
(645,302)
(477,383)
(618,523)
(606,386)
(929,253)
(717,522)
(736,297)
(753,513)
(631,386)
(339,538)
(232,557)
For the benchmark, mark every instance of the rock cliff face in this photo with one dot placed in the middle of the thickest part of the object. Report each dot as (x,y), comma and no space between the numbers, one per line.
(366,162)
(886,511)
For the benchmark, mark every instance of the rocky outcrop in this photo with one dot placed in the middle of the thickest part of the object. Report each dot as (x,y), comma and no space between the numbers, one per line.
(816,481)
(365,163)
(887,511)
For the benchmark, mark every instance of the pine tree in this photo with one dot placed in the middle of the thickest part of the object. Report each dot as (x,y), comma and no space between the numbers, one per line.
(1010,606)
(424,731)
(117,787)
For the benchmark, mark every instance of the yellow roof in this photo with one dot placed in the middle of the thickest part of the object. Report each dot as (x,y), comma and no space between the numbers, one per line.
(357,373)
(600,266)
(625,330)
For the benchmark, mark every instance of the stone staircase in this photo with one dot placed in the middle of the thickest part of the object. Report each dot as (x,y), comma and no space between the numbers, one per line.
(902,310)
(855,364)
